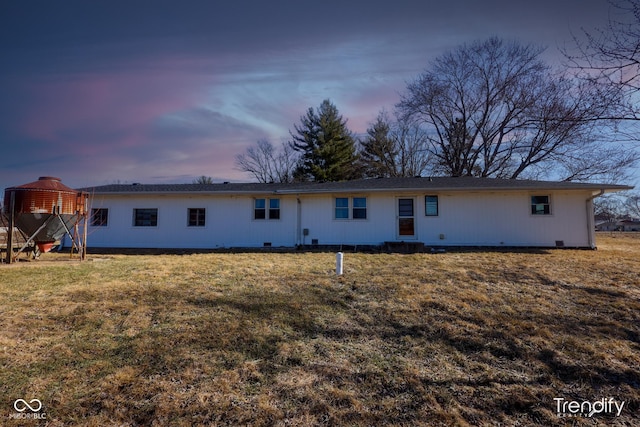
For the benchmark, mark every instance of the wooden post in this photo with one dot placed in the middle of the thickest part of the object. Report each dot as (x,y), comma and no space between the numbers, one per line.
(84,231)
(12,208)
(73,240)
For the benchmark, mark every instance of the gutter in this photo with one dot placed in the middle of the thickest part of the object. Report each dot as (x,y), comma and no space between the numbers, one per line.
(184,193)
(590,224)
(325,190)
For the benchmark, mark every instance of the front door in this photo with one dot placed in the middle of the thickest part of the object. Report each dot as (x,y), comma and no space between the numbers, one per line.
(406,218)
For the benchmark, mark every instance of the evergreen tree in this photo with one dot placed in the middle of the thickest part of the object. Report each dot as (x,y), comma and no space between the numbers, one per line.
(327,146)
(379,149)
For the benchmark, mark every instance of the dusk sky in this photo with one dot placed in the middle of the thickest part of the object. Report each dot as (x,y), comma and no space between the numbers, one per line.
(96,92)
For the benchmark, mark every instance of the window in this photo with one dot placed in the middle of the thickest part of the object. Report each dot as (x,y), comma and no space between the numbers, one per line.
(260,210)
(405,207)
(196,217)
(145,217)
(342,208)
(540,205)
(358,208)
(99,217)
(431,205)
(274,208)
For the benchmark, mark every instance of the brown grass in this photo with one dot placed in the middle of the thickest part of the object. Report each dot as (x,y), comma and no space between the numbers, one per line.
(471,338)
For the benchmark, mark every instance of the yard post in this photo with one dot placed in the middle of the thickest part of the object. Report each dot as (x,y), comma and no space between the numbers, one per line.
(339,258)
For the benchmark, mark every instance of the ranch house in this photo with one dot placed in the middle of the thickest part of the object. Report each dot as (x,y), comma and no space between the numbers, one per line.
(434,212)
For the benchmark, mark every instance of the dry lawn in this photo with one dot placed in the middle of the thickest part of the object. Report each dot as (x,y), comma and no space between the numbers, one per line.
(468,338)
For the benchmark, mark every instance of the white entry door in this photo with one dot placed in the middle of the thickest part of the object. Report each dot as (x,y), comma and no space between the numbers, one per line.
(406,218)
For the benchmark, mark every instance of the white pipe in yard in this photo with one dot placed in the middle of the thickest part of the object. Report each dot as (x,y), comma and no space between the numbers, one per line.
(339,259)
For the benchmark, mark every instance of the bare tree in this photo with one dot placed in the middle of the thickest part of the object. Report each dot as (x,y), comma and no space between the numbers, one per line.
(395,149)
(632,205)
(617,206)
(203,179)
(495,109)
(267,163)
(609,207)
(610,56)
(413,157)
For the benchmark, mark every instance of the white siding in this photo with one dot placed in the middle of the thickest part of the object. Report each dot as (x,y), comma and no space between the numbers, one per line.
(505,219)
(465,219)
(318,212)
(228,223)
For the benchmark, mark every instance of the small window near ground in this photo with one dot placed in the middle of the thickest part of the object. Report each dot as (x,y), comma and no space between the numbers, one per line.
(145,217)
(431,205)
(196,217)
(540,205)
(99,217)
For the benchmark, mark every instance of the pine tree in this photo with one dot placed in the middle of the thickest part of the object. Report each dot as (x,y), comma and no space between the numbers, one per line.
(327,146)
(379,149)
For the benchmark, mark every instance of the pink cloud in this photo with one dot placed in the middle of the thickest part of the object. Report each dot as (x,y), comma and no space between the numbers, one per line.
(124,103)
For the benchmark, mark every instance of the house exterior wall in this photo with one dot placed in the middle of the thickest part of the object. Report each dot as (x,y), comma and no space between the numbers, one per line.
(464,218)
(608,226)
(228,223)
(631,226)
(619,226)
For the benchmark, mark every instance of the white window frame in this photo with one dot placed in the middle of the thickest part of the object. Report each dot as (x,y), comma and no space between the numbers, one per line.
(197,225)
(268,209)
(437,214)
(350,208)
(549,204)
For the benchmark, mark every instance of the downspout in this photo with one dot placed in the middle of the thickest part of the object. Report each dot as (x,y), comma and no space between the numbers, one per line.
(298,221)
(590,224)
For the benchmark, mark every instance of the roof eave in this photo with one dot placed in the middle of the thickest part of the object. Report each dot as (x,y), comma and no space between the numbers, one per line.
(608,189)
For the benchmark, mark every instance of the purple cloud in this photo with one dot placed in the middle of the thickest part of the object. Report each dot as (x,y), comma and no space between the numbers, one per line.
(97,92)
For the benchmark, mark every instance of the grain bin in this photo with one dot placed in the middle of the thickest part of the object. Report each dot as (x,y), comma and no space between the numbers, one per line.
(44,210)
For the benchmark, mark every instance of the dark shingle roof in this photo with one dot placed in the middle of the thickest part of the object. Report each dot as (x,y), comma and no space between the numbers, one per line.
(369,185)
(185,188)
